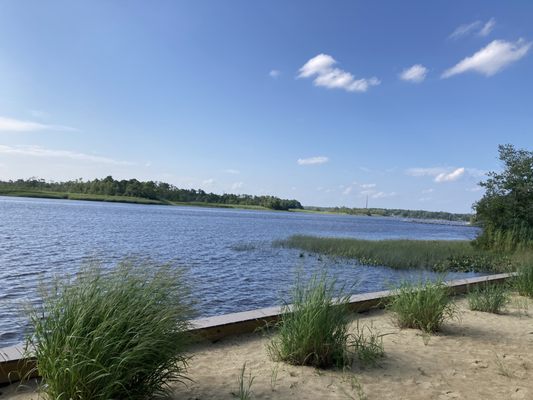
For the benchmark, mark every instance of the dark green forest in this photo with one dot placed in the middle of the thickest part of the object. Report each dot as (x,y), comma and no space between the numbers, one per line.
(160,191)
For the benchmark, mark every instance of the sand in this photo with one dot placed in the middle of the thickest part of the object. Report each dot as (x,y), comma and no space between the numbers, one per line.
(481,356)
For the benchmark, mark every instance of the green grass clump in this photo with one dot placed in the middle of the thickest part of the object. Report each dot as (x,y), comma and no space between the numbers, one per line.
(314,329)
(112,335)
(438,255)
(523,282)
(488,298)
(422,306)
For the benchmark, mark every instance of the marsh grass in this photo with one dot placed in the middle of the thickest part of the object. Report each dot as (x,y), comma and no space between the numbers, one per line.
(424,305)
(523,282)
(438,255)
(114,335)
(490,298)
(314,329)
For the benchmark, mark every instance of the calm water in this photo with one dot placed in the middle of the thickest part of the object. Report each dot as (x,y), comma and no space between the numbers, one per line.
(233,265)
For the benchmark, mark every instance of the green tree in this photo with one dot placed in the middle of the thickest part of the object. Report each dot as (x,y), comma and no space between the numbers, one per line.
(506,209)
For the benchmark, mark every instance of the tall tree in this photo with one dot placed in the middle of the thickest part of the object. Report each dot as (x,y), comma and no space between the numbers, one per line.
(506,209)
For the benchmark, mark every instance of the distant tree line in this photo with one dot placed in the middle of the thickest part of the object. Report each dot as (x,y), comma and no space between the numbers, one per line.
(148,190)
(393,212)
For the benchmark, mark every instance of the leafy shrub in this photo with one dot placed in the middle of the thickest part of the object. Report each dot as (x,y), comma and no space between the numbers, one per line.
(422,306)
(314,330)
(489,298)
(112,335)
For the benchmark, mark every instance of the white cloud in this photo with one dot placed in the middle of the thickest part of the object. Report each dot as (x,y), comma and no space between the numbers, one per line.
(450,177)
(417,73)
(232,171)
(465,29)
(208,182)
(491,59)
(368,185)
(476,27)
(433,171)
(274,73)
(237,185)
(474,189)
(313,160)
(39,114)
(381,195)
(16,125)
(487,28)
(347,191)
(36,151)
(321,67)
(440,174)
(427,191)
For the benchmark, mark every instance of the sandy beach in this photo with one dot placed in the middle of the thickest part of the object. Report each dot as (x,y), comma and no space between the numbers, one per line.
(479,356)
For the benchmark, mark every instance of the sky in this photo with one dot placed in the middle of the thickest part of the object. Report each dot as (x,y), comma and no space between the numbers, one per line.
(326,102)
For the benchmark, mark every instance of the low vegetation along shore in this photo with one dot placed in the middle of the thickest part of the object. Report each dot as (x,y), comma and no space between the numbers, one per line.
(436,255)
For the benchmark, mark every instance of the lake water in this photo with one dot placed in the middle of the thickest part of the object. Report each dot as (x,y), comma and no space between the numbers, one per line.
(232,263)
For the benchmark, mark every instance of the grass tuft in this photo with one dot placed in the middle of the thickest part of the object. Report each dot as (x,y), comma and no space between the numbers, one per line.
(367,344)
(245,385)
(113,335)
(488,298)
(314,330)
(422,306)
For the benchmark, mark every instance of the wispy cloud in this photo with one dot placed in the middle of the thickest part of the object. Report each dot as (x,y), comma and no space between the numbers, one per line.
(237,185)
(39,114)
(368,185)
(321,68)
(450,177)
(313,160)
(274,73)
(491,59)
(382,195)
(348,190)
(232,171)
(417,73)
(432,171)
(37,151)
(476,27)
(487,28)
(439,174)
(465,29)
(208,182)
(16,125)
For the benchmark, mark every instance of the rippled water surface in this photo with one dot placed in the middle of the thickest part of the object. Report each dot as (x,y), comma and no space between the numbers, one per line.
(233,265)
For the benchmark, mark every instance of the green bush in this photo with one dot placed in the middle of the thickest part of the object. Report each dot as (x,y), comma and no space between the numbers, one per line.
(115,335)
(422,306)
(488,298)
(314,330)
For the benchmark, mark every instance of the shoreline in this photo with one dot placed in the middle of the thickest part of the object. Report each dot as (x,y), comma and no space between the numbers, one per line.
(415,366)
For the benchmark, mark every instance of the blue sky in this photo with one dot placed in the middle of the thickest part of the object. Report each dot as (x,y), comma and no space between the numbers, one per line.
(325,102)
